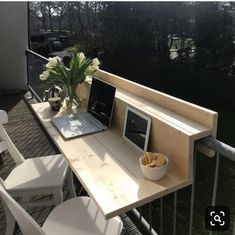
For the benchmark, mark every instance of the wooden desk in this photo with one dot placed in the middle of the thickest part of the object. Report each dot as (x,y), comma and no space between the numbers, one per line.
(108,168)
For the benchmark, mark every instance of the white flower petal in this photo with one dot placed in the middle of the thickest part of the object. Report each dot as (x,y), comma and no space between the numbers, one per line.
(49,65)
(95,67)
(81,55)
(57,59)
(44,75)
(53,61)
(95,61)
(50,59)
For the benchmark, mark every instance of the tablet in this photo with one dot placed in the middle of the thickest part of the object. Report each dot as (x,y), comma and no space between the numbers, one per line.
(136,128)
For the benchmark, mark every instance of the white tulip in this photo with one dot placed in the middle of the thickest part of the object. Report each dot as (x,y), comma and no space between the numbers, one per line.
(52,62)
(96,67)
(51,59)
(44,75)
(81,55)
(58,59)
(95,61)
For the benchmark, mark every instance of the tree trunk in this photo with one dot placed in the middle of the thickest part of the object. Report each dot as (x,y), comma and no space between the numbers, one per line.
(60,24)
(44,18)
(44,22)
(50,18)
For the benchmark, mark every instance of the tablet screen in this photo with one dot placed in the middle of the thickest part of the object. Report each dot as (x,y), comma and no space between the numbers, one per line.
(136,128)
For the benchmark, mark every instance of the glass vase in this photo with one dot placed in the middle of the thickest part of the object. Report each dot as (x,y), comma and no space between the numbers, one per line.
(68,97)
(71,100)
(68,103)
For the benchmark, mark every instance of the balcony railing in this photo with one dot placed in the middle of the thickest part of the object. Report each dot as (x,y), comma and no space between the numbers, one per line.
(35,66)
(181,212)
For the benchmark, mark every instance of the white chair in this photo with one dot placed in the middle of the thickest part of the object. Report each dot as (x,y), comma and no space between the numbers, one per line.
(73,217)
(34,176)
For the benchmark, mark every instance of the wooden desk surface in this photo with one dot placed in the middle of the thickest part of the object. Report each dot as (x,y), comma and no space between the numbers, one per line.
(108,168)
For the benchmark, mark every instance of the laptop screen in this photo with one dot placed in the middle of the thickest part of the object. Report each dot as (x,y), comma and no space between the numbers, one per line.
(101,101)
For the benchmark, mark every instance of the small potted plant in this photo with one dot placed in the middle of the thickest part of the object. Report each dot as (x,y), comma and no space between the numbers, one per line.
(70,76)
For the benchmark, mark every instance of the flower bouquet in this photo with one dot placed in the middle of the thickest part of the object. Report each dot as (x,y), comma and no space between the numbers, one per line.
(69,77)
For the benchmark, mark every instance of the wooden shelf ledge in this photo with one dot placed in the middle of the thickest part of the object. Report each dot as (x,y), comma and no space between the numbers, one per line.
(180,123)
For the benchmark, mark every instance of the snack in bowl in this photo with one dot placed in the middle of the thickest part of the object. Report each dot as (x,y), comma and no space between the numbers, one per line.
(153,165)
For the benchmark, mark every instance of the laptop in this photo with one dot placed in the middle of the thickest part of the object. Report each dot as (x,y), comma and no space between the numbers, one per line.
(97,117)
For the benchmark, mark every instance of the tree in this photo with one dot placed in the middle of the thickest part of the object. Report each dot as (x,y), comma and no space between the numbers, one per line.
(44,12)
(213,37)
(37,11)
(60,10)
(49,8)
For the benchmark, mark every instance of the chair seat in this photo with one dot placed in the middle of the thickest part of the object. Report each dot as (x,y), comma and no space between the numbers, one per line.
(36,173)
(80,216)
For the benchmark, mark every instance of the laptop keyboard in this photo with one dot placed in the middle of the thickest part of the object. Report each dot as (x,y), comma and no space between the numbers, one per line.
(85,122)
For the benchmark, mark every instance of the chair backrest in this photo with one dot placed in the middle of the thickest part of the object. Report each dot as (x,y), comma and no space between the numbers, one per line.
(5,141)
(27,224)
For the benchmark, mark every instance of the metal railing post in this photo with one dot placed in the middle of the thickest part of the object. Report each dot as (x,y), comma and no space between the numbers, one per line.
(134,213)
(216,179)
(161,216)
(150,216)
(192,193)
(215,182)
(175,213)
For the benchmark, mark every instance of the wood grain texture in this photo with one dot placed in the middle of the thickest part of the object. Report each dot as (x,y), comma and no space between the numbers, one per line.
(107,166)
(198,114)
